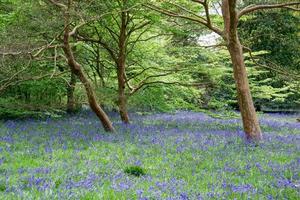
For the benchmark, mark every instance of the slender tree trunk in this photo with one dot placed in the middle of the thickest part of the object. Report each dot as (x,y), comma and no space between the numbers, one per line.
(247,109)
(121,63)
(77,70)
(122,99)
(71,104)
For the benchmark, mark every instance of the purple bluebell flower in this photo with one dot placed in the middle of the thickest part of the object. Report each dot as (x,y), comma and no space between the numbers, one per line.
(2,160)
(242,188)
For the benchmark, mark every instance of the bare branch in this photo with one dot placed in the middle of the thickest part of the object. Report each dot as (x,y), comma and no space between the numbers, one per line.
(16,74)
(113,34)
(38,49)
(12,83)
(194,19)
(187,11)
(135,28)
(292,8)
(166,83)
(157,69)
(215,45)
(198,1)
(269,67)
(101,42)
(63,6)
(253,8)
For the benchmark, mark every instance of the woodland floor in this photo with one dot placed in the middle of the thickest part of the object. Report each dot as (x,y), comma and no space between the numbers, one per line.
(186,155)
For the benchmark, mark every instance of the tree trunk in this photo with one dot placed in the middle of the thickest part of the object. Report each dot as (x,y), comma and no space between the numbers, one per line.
(77,70)
(121,63)
(71,104)
(93,102)
(122,99)
(250,121)
(247,109)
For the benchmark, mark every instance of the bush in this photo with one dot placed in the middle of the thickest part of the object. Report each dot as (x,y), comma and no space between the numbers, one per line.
(135,171)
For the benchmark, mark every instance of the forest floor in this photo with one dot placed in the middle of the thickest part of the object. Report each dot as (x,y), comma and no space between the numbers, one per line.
(186,155)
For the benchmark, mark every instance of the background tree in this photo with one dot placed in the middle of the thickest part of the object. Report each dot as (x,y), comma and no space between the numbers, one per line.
(113,34)
(229,34)
(75,67)
(168,64)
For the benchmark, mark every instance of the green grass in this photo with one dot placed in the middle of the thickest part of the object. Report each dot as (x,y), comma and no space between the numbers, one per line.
(192,158)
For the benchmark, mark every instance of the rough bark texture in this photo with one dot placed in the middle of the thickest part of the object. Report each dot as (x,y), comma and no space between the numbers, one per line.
(77,70)
(121,64)
(71,104)
(247,109)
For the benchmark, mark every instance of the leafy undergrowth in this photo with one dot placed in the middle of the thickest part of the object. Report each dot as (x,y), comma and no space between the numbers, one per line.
(185,155)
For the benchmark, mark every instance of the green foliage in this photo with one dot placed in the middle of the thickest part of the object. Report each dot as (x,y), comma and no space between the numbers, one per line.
(2,187)
(165,99)
(135,171)
(14,108)
(7,12)
(151,99)
(9,109)
(276,32)
(164,46)
(266,95)
(277,37)
(58,183)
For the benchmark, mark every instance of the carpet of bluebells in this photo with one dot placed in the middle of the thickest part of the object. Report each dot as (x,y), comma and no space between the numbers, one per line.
(186,155)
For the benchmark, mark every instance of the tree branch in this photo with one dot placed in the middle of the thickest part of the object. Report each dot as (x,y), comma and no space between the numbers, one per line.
(253,8)
(268,67)
(9,84)
(63,6)
(99,41)
(166,83)
(194,19)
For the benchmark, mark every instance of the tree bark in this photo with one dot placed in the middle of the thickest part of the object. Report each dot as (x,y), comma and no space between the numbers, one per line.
(121,64)
(71,104)
(77,70)
(247,109)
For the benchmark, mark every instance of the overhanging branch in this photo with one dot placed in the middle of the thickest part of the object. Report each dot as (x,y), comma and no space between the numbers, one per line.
(253,8)
(132,92)
(269,67)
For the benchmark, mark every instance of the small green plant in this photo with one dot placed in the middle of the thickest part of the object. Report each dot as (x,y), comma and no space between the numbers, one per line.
(57,183)
(2,187)
(135,171)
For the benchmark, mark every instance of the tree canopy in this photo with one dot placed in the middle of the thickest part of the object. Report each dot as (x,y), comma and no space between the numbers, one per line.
(149,56)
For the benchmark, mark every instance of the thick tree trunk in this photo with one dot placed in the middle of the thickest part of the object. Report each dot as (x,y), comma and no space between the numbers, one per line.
(249,117)
(77,70)
(121,63)
(250,121)
(71,104)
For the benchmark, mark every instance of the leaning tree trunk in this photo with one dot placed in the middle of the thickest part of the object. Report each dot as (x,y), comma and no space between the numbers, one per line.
(71,104)
(121,63)
(249,117)
(77,70)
